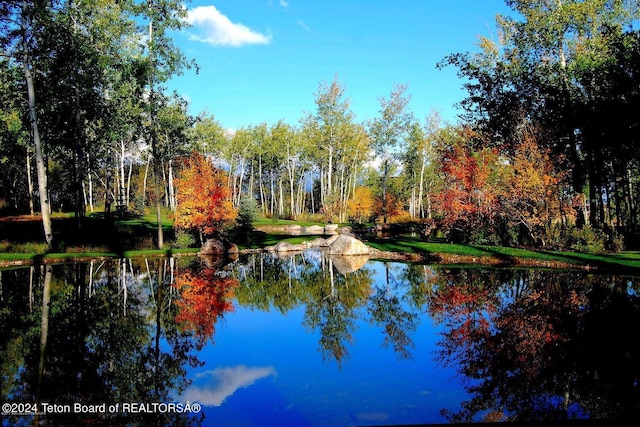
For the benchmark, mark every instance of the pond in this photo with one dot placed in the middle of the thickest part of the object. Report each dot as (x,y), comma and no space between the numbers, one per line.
(313,340)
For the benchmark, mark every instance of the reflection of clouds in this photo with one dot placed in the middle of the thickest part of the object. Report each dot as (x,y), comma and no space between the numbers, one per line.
(221,383)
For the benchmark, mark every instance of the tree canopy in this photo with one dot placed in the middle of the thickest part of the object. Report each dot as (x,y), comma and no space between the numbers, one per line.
(545,149)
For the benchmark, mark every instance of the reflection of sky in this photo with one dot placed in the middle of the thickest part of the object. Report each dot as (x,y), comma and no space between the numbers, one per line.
(221,383)
(372,387)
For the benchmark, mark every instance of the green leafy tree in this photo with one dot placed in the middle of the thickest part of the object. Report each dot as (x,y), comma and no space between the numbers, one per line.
(164,60)
(389,134)
(341,147)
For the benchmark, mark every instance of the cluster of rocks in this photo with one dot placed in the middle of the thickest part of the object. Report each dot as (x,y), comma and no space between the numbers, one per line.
(346,252)
(311,230)
(339,244)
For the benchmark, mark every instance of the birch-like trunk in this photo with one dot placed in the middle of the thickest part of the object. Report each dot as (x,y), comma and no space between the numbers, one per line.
(144,182)
(44,324)
(29,182)
(122,179)
(172,190)
(45,206)
(421,187)
(128,199)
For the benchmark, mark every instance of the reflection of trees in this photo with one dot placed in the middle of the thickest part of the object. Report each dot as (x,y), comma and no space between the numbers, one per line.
(331,307)
(463,302)
(421,284)
(308,278)
(540,346)
(387,310)
(205,295)
(268,281)
(98,342)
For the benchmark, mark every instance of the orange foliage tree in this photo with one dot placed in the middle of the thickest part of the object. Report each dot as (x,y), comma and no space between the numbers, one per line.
(204,200)
(530,194)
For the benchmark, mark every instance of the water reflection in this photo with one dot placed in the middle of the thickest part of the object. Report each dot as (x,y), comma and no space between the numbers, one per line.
(205,295)
(538,346)
(105,333)
(528,345)
(309,279)
(211,388)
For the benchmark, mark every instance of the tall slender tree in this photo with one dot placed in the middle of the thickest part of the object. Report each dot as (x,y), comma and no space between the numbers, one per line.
(164,60)
(389,133)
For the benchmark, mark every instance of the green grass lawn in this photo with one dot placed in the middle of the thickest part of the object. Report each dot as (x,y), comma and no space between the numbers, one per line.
(623,260)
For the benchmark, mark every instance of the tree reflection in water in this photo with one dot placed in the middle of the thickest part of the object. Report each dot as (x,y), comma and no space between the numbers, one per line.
(205,295)
(106,333)
(530,344)
(539,346)
(387,309)
(311,279)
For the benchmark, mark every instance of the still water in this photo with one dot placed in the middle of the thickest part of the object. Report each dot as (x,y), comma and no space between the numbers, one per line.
(313,340)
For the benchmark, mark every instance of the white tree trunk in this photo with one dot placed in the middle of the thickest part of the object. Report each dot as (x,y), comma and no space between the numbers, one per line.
(45,206)
(29,181)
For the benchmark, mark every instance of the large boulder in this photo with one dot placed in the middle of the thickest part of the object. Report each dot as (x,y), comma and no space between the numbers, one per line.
(342,244)
(218,247)
(316,243)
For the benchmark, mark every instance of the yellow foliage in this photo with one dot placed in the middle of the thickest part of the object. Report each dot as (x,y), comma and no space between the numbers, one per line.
(362,206)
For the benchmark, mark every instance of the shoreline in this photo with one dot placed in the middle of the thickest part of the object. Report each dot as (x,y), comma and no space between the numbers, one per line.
(375,254)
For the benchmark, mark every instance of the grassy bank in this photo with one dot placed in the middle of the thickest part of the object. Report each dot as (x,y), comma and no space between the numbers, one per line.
(135,236)
(624,261)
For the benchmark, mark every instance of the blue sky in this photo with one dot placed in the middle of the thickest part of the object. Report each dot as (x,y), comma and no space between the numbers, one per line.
(262,60)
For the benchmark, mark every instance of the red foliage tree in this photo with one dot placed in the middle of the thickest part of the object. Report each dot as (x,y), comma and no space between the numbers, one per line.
(468,200)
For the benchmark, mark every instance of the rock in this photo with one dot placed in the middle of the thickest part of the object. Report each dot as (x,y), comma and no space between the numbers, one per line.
(217,261)
(316,243)
(218,247)
(330,240)
(342,244)
(314,229)
(331,228)
(288,247)
(294,230)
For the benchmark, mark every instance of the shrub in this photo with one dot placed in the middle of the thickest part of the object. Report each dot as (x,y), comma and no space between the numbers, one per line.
(184,239)
(248,213)
(587,239)
(615,241)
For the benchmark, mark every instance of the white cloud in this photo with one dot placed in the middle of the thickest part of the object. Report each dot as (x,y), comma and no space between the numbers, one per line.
(223,382)
(304,26)
(284,3)
(218,30)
